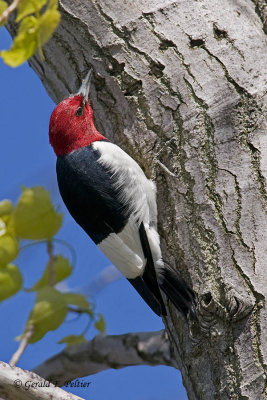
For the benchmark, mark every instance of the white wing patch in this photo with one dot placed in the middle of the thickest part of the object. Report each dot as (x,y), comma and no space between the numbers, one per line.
(130,236)
(138,192)
(124,249)
(128,262)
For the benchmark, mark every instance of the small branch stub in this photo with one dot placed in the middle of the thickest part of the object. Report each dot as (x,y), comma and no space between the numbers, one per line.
(22,346)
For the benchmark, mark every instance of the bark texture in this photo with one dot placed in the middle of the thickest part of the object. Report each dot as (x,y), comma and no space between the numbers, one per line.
(18,384)
(101,353)
(181,86)
(104,352)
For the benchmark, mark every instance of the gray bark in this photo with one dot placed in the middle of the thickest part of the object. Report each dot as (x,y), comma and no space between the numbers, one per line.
(105,352)
(181,86)
(101,353)
(19,384)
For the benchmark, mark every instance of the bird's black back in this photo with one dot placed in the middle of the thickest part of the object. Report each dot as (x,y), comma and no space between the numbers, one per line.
(88,193)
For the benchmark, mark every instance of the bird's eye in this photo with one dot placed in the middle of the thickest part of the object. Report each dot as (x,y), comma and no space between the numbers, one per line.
(79,111)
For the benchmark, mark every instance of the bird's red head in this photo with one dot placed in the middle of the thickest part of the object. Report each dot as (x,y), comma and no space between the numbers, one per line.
(71,124)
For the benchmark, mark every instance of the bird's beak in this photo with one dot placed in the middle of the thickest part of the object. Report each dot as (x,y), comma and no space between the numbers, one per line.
(85,87)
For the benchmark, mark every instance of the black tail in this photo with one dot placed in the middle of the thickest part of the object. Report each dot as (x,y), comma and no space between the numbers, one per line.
(141,287)
(150,276)
(166,279)
(177,290)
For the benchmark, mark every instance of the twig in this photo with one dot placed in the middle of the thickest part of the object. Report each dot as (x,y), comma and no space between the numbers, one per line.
(52,277)
(77,310)
(55,240)
(165,169)
(22,346)
(9,10)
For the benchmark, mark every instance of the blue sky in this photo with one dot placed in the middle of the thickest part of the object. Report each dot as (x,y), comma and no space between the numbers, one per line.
(27,159)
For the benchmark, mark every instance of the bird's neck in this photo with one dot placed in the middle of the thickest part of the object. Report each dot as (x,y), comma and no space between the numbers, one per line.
(87,139)
(69,142)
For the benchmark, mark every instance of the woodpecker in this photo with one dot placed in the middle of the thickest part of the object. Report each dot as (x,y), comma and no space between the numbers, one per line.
(109,196)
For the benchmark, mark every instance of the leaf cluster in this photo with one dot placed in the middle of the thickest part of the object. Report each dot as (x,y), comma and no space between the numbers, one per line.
(37,20)
(35,218)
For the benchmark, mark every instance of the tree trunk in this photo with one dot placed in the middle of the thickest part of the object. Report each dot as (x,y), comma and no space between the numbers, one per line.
(180,86)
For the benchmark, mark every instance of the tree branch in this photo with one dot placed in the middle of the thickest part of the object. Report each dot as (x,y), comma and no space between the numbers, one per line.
(9,10)
(104,352)
(19,384)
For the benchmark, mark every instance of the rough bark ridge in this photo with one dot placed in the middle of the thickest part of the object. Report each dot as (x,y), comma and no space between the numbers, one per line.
(180,86)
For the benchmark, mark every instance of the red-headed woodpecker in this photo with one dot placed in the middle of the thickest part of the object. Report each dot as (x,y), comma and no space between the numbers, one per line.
(109,196)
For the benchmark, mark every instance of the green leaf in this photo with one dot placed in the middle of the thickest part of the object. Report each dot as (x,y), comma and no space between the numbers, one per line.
(33,32)
(48,22)
(24,44)
(3,7)
(80,301)
(72,339)
(28,25)
(76,299)
(6,207)
(100,325)
(52,5)
(34,216)
(48,313)
(61,270)
(9,249)
(27,7)
(10,281)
